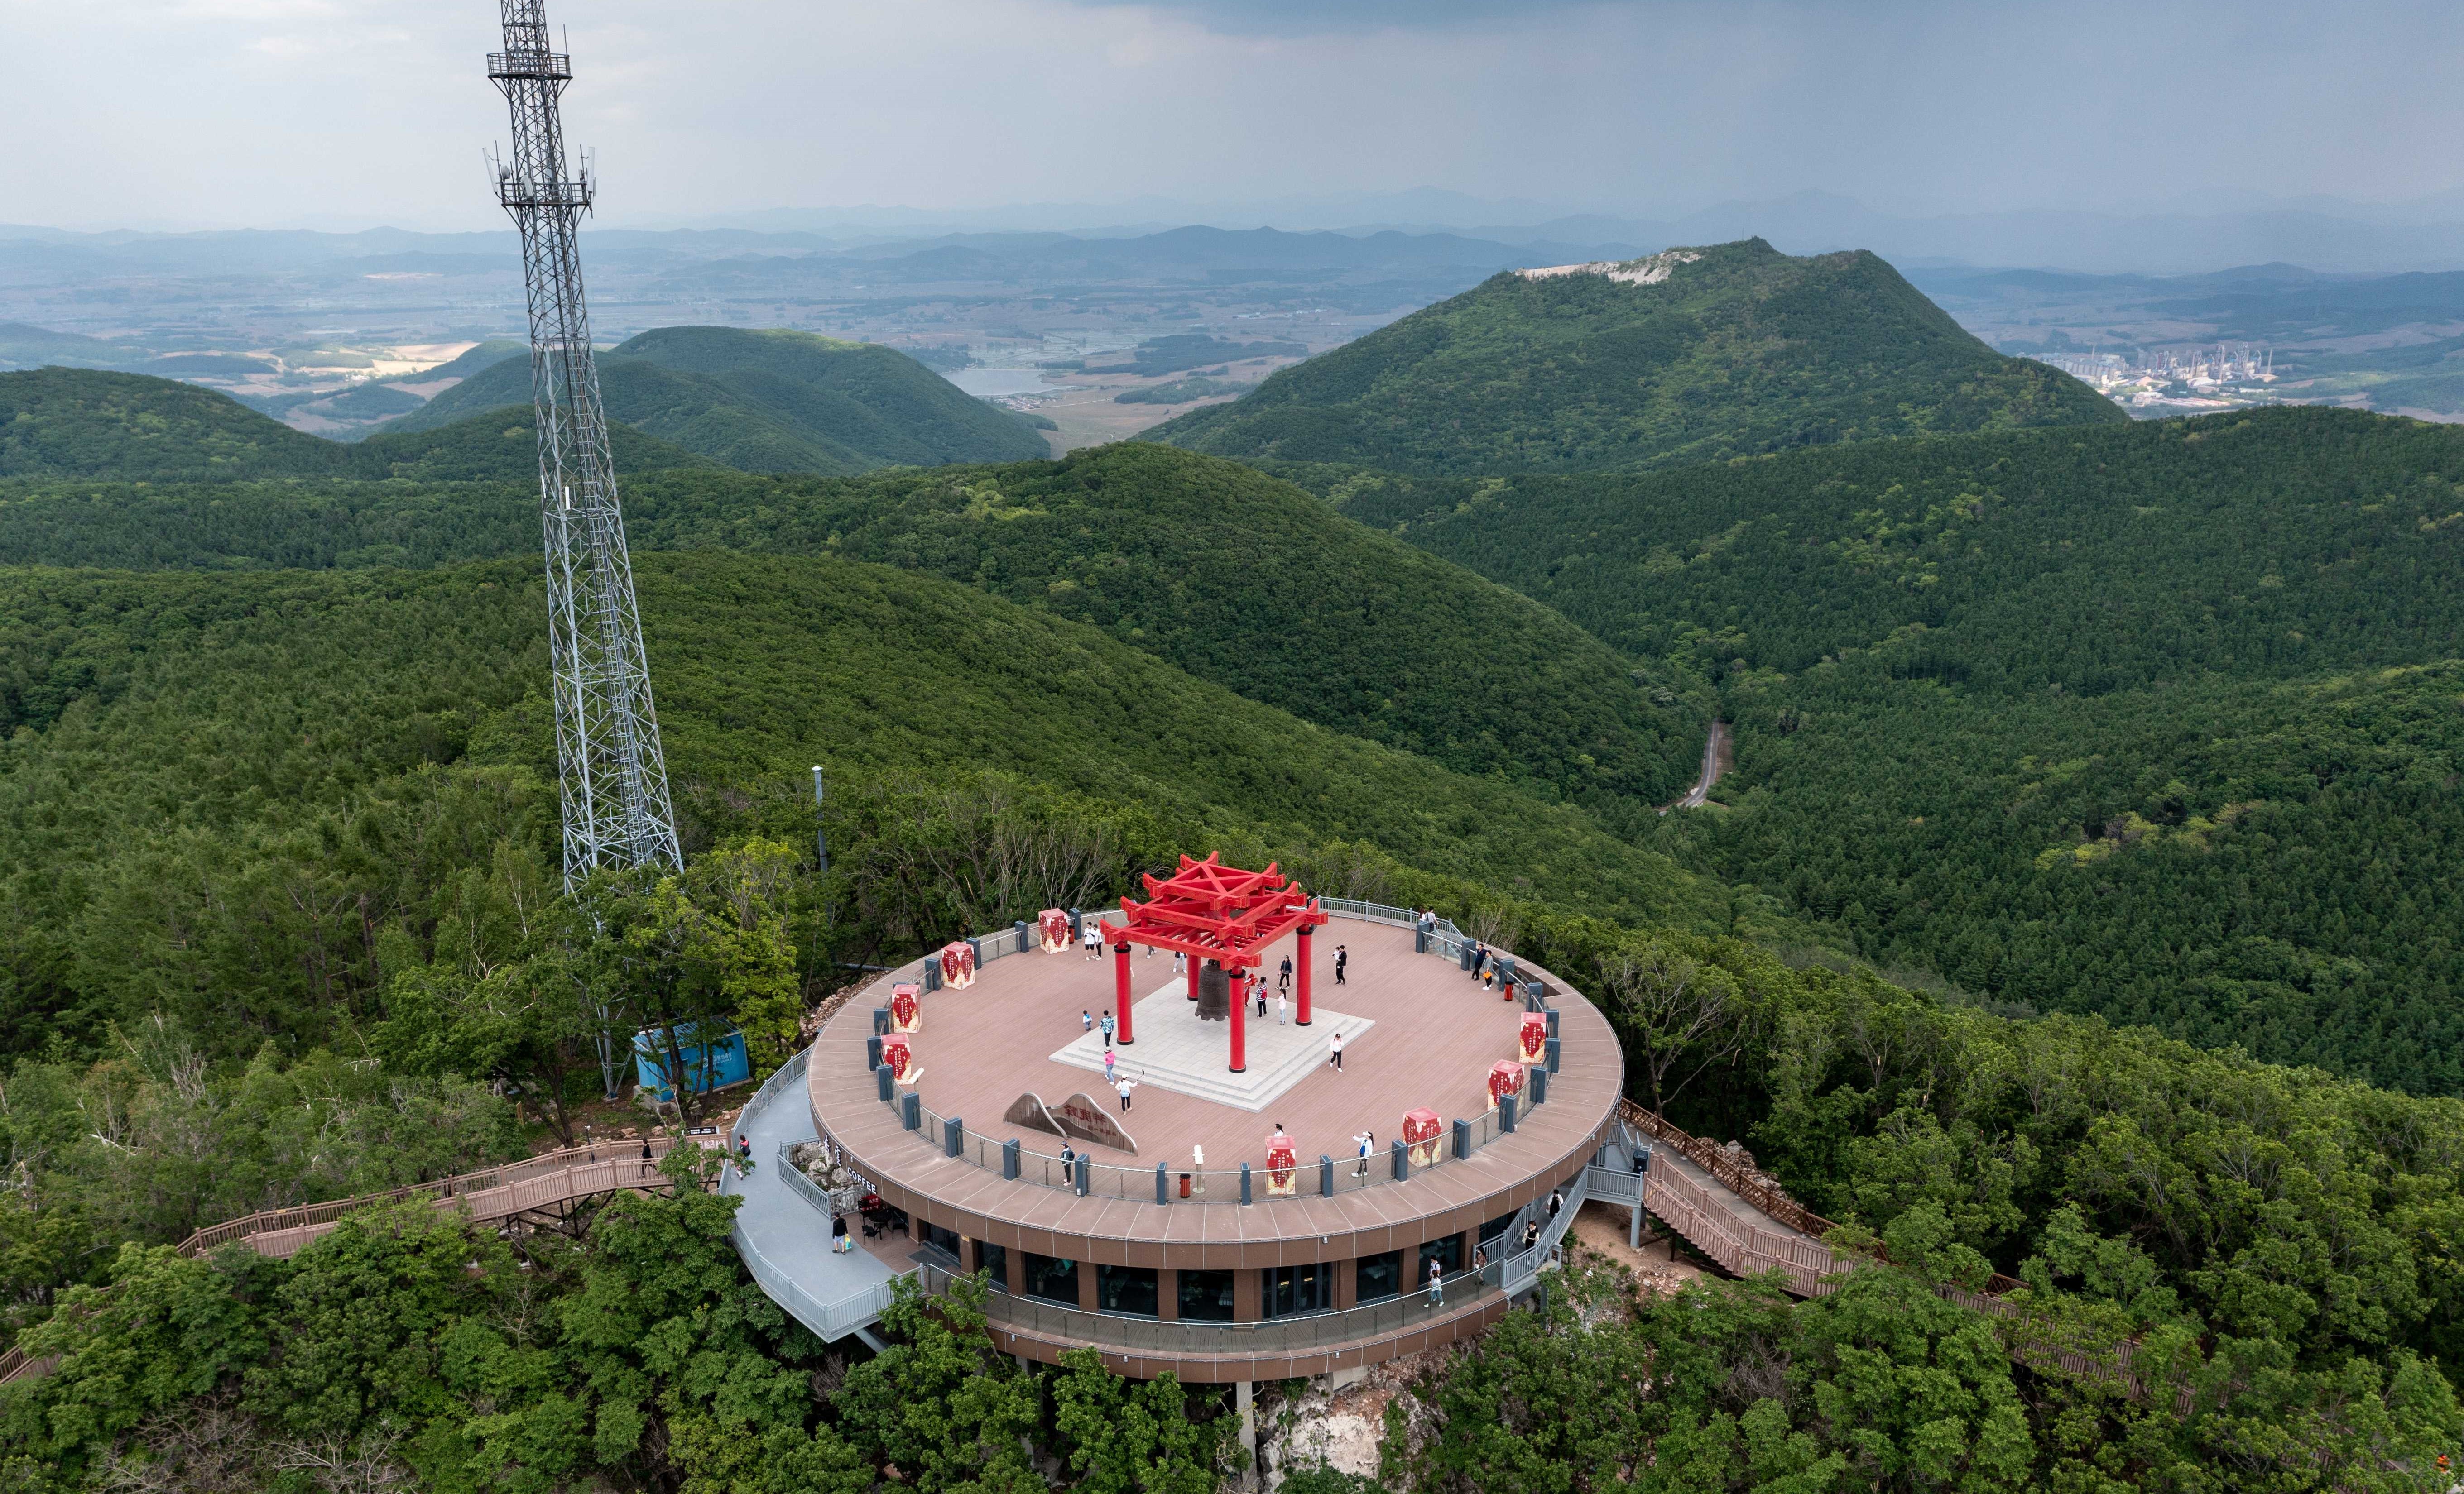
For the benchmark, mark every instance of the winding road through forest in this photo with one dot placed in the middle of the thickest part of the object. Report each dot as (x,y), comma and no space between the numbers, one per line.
(1715,752)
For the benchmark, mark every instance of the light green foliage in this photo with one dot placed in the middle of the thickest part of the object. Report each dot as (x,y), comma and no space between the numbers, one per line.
(1128,1438)
(1743,350)
(942,1405)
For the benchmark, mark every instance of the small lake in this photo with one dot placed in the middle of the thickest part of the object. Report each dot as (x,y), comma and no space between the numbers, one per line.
(999,380)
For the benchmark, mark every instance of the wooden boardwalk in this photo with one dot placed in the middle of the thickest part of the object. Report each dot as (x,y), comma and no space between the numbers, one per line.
(543,1186)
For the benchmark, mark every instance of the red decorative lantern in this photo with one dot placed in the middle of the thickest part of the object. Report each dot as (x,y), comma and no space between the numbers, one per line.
(901,1059)
(957,964)
(1504,1078)
(1421,1129)
(1535,1037)
(1282,1168)
(1052,925)
(907,1007)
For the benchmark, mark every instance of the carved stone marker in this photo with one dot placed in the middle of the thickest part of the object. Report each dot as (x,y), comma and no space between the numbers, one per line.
(1088,1121)
(1028,1110)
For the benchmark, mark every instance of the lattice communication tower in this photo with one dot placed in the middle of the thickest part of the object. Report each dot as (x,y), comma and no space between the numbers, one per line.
(613,778)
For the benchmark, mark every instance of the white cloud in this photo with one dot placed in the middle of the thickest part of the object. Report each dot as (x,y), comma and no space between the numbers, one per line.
(255,111)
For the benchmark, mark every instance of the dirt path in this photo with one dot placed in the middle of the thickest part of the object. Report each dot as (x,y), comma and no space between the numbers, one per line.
(1717,758)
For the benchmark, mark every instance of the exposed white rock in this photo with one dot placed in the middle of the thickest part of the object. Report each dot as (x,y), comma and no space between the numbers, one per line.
(1649,270)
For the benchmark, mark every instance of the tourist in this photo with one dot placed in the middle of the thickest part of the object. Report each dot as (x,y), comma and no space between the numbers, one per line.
(1123,1089)
(1179,962)
(744,1155)
(1284,981)
(1198,1166)
(1109,1026)
(1068,1157)
(1086,1020)
(1342,958)
(1108,1063)
(1282,1010)
(1478,958)
(840,1244)
(1262,1000)
(1531,1234)
(645,1149)
(1091,940)
(1556,1202)
(1436,1285)
(1334,1049)
(1364,1140)
(1488,978)
(1479,1258)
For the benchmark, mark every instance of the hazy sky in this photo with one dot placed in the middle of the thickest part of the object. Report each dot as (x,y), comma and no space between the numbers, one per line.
(348,113)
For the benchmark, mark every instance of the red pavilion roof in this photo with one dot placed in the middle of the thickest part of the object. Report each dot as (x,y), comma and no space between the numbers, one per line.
(1215,911)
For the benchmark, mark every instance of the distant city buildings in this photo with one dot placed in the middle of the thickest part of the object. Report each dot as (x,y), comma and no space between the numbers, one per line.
(2199,378)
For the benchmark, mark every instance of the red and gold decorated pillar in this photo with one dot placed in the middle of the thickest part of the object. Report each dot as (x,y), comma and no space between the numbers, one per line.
(1240,1021)
(1121,989)
(1304,959)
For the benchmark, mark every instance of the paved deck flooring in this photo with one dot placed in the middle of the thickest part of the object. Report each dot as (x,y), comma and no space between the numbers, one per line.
(1175,1051)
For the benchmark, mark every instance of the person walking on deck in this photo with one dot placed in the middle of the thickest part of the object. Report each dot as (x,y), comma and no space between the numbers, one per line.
(1334,1049)
(1364,1141)
(1123,1089)
(1109,1026)
(1342,958)
(1284,981)
(1108,1064)
(1436,1285)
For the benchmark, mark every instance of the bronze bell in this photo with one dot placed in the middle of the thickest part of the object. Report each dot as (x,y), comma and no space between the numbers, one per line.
(1214,993)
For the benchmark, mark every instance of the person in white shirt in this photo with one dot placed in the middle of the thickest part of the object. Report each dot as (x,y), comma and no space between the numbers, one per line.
(1091,939)
(1197,1165)
(1334,1049)
(1282,1010)
(1364,1141)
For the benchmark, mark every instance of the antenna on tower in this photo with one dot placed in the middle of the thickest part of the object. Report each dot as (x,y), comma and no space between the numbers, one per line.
(611,775)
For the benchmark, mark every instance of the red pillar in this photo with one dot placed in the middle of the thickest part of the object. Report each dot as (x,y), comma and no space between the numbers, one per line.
(1240,1021)
(1121,989)
(1194,963)
(1301,958)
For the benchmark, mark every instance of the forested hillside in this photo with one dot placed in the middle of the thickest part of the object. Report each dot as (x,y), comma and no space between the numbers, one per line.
(2000,708)
(1688,355)
(217,786)
(770,401)
(1233,576)
(81,423)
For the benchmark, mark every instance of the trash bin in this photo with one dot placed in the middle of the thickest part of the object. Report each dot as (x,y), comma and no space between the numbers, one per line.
(1184,1186)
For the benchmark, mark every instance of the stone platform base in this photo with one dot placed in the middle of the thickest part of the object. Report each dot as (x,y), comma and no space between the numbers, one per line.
(1175,1051)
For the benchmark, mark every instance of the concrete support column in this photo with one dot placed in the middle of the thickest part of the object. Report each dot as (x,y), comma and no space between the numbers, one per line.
(1014,1270)
(1248,1303)
(1633,1229)
(1347,1284)
(1087,1287)
(1244,1401)
(1168,1295)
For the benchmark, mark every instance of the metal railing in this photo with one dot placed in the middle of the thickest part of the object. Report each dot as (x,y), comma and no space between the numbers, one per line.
(1090,1179)
(829,1320)
(1463,1291)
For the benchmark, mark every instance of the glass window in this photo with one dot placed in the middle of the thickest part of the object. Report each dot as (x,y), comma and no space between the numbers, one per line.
(1296,1288)
(1127,1289)
(995,1261)
(945,1241)
(1207,1296)
(1447,1252)
(1379,1275)
(1495,1227)
(1053,1281)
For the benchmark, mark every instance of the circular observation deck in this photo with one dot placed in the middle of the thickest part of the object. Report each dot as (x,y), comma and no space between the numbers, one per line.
(1177,1272)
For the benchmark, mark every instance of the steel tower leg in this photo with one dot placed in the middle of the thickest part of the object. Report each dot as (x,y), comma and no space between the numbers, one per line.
(612,776)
